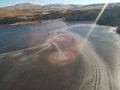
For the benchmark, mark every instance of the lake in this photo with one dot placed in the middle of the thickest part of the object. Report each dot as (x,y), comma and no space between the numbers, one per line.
(57,56)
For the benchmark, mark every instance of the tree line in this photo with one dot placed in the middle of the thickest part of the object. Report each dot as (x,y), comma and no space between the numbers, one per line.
(111,17)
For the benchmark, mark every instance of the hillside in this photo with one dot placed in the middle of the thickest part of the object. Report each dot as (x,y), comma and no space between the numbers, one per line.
(28,9)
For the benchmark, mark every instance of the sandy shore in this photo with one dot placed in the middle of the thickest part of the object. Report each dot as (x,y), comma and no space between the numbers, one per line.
(34,22)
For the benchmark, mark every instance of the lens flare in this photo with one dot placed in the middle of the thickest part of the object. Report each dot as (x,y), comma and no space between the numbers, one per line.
(94,24)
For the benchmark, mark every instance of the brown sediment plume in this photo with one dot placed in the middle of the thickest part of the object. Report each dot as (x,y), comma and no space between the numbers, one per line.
(66,50)
(57,58)
(58,50)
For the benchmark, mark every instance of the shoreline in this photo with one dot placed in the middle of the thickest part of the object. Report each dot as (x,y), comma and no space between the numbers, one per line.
(48,21)
(35,22)
(62,19)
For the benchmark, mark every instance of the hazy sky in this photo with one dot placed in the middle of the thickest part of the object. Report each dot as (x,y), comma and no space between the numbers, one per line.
(13,2)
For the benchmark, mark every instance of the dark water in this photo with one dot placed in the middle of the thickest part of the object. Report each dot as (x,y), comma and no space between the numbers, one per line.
(13,38)
(42,77)
(18,37)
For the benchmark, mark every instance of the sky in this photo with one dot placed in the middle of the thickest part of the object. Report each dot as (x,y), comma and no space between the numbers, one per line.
(4,3)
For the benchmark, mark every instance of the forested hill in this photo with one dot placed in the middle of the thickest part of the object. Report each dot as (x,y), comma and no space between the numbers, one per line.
(111,16)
